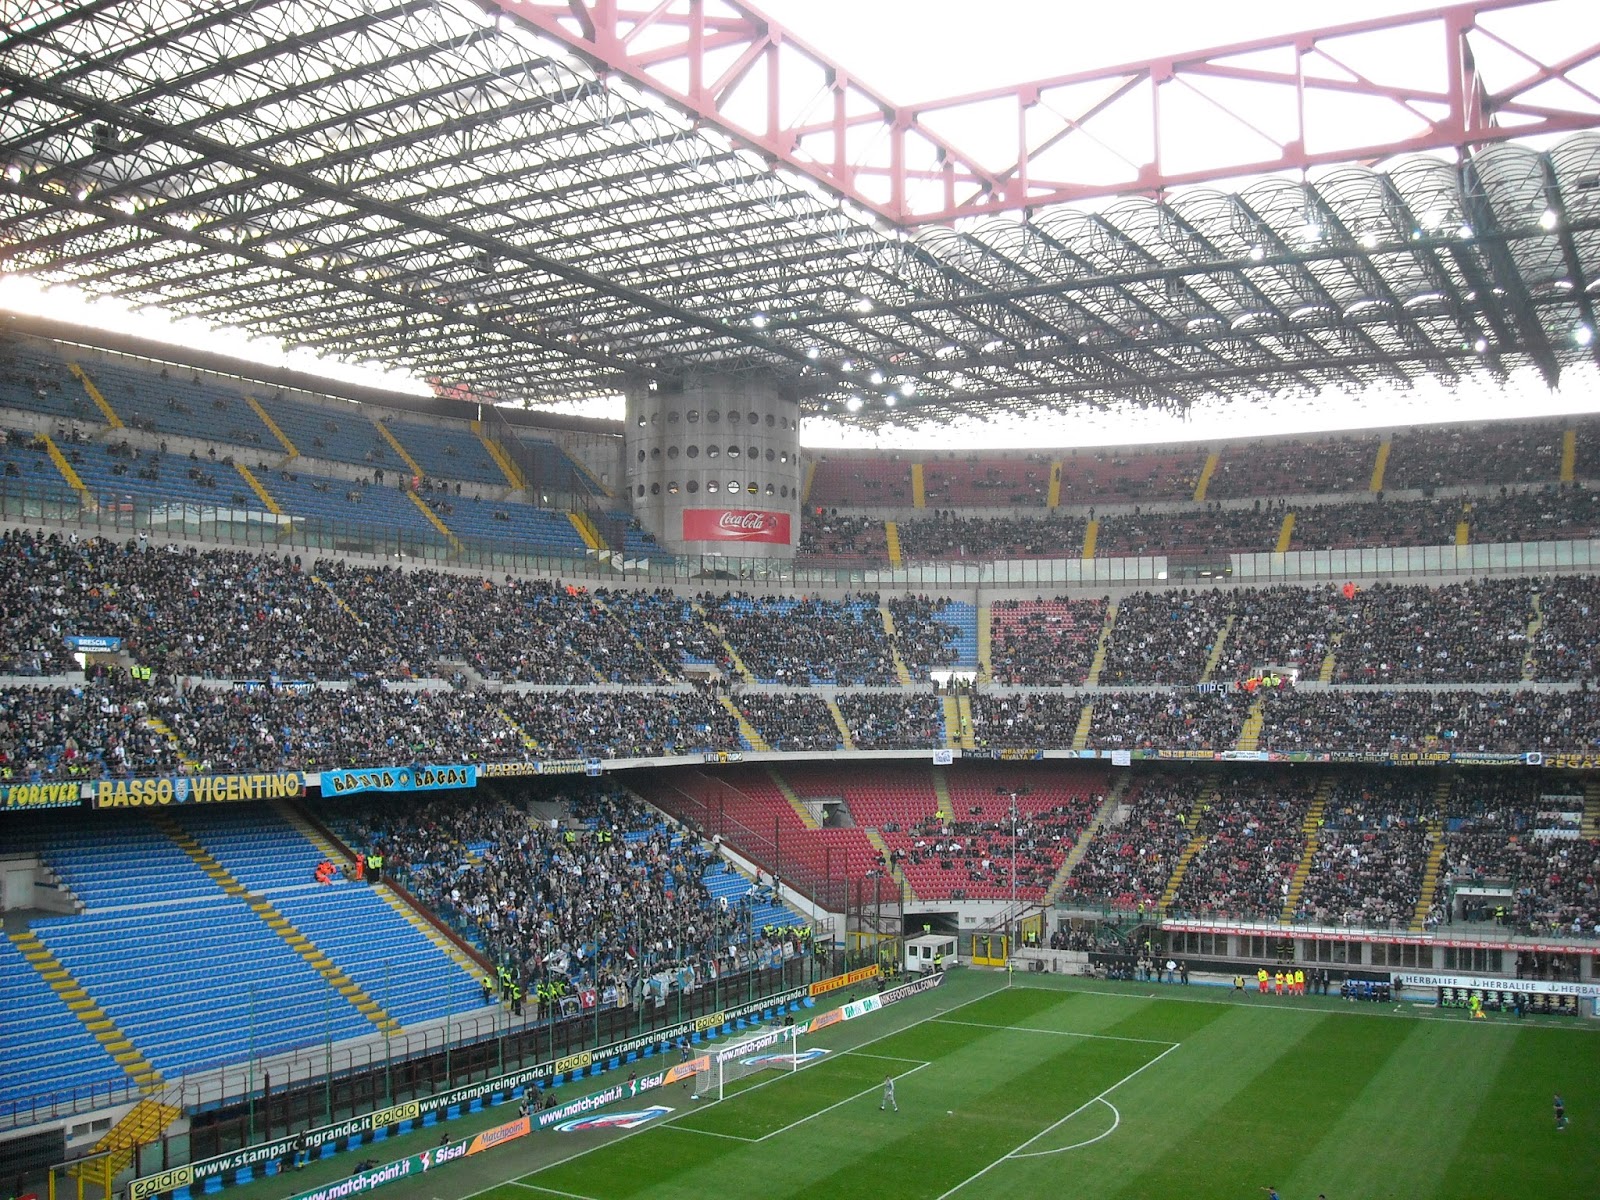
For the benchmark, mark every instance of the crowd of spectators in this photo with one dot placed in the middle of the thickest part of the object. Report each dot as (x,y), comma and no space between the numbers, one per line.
(602,899)
(1044,643)
(1176,720)
(1453,456)
(1210,530)
(1128,863)
(81,732)
(1287,467)
(1255,837)
(893,720)
(1372,851)
(791,720)
(949,535)
(1164,637)
(1472,632)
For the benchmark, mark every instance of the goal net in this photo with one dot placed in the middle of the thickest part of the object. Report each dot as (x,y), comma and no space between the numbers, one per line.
(774,1049)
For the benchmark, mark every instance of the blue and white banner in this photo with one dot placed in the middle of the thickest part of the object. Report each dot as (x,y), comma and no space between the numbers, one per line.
(94,645)
(398,779)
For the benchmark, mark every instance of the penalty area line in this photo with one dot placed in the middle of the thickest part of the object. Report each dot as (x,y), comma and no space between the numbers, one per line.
(1102,1037)
(1053,1126)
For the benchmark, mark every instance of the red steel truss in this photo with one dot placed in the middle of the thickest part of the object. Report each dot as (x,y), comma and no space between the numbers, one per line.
(1451,78)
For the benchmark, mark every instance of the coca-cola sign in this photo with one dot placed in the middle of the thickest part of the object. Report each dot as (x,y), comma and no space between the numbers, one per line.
(735,525)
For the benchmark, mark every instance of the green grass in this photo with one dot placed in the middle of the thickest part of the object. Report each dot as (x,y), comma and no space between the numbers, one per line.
(1070,1089)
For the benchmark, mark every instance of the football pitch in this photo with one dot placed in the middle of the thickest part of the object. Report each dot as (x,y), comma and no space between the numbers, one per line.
(1066,1088)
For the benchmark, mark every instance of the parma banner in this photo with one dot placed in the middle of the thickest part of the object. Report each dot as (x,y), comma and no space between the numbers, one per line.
(848,979)
(198,789)
(397,779)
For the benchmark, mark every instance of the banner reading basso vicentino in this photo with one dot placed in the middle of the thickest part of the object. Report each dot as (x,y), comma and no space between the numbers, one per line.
(201,789)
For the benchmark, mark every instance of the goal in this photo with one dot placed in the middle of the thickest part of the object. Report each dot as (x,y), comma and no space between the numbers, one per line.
(774,1049)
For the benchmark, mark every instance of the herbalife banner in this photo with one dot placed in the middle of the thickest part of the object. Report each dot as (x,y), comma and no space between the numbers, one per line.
(1493,983)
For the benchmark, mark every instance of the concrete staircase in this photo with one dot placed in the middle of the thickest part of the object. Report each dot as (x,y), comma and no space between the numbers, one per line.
(1591,811)
(1430,876)
(807,817)
(1194,845)
(900,671)
(304,827)
(952,722)
(727,646)
(839,722)
(1250,731)
(140,1125)
(875,839)
(1080,736)
(1325,671)
(278,923)
(964,716)
(95,395)
(1098,663)
(985,642)
(941,794)
(1530,666)
(1217,647)
(157,725)
(1311,827)
(522,734)
(94,1018)
(1074,856)
(746,730)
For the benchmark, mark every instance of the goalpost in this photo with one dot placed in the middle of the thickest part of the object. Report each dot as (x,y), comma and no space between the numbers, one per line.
(773,1049)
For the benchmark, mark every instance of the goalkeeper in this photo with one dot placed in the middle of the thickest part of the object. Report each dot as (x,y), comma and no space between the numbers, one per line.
(888,1100)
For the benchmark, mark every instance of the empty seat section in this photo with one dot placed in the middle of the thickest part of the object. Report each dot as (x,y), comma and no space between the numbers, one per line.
(113,859)
(448,453)
(45,1051)
(339,432)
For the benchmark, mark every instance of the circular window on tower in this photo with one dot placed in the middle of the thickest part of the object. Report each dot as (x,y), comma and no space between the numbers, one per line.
(655,489)
(711,487)
(672,452)
(693,452)
(733,418)
(694,416)
(692,486)
(733,452)
(712,416)
(672,417)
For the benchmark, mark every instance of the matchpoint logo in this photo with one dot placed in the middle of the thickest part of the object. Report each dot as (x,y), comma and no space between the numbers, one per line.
(622,1120)
(784,1060)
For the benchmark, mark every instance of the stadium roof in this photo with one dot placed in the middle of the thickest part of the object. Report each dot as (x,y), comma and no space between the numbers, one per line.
(543,200)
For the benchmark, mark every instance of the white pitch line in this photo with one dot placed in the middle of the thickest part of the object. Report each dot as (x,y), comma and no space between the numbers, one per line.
(837,1104)
(732,1137)
(921,1062)
(1051,1128)
(1116,1119)
(553,1191)
(670,1122)
(1104,1037)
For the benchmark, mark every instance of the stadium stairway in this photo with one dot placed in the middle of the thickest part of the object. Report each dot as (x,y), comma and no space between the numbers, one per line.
(586,529)
(727,646)
(1430,875)
(72,478)
(941,794)
(627,631)
(875,839)
(259,488)
(1098,663)
(1092,830)
(83,1006)
(273,427)
(1190,849)
(1590,827)
(1311,827)
(335,851)
(964,715)
(434,518)
(985,641)
(845,738)
(140,1125)
(747,731)
(98,397)
(1329,662)
(157,725)
(278,923)
(952,721)
(1250,731)
(1217,647)
(522,734)
(508,468)
(1530,664)
(900,672)
(891,543)
(1080,736)
(807,817)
